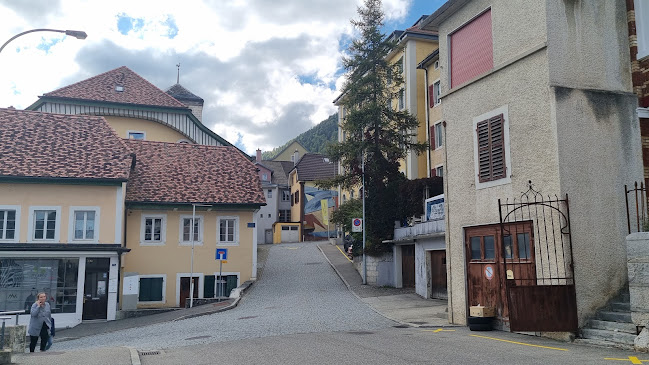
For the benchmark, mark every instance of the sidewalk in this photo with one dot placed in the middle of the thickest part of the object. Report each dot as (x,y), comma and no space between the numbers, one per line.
(399,305)
(100,356)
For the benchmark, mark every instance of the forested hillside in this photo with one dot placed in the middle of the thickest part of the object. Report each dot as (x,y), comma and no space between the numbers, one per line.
(314,140)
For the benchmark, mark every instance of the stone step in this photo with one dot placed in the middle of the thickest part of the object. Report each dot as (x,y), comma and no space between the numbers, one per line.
(609,336)
(601,343)
(624,297)
(614,316)
(620,306)
(612,326)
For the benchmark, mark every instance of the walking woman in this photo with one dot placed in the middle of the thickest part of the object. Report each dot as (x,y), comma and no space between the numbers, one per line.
(40,322)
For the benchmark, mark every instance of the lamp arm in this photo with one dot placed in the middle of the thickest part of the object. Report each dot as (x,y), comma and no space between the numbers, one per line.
(30,31)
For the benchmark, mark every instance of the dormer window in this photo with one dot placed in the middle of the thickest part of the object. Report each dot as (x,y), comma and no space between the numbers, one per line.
(264,177)
(119,88)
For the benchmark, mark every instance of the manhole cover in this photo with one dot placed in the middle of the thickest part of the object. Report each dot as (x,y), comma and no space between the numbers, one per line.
(146,353)
(360,333)
(313,263)
(248,317)
(197,338)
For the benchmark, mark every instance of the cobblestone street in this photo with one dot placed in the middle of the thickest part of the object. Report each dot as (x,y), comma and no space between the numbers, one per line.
(297,293)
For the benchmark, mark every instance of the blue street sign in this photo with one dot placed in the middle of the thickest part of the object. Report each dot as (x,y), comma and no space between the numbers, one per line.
(221,254)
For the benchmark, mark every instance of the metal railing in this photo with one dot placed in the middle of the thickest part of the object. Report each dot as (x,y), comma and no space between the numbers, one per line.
(420,229)
(637,216)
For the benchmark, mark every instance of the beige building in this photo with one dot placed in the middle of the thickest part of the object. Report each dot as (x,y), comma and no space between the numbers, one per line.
(536,91)
(62,190)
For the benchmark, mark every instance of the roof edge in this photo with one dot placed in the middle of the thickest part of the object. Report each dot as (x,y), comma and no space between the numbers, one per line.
(60,180)
(158,205)
(444,12)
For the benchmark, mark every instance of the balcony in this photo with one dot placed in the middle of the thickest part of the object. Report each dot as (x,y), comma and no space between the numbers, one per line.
(419,229)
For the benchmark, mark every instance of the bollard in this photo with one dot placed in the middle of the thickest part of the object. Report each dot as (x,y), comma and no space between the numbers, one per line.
(2,336)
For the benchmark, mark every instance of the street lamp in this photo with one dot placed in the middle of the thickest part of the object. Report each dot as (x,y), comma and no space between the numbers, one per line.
(78,34)
(191,234)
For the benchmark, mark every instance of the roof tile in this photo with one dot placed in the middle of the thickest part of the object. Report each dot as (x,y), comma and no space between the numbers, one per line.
(35,144)
(103,87)
(313,166)
(189,173)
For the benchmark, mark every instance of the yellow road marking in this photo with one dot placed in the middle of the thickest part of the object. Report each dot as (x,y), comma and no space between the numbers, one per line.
(632,359)
(439,330)
(344,254)
(519,343)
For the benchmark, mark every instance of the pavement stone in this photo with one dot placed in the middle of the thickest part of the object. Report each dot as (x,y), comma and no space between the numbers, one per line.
(97,356)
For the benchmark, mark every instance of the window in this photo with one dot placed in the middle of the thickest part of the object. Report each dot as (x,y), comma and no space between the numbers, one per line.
(44,223)
(434,92)
(151,288)
(641,9)
(9,216)
(483,248)
(84,224)
(297,197)
(284,216)
(439,171)
(292,158)
(491,149)
(228,230)
(264,177)
(437,139)
(436,65)
(471,50)
(217,286)
(186,230)
(136,135)
(269,194)
(520,249)
(286,195)
(153,230)
(402,99)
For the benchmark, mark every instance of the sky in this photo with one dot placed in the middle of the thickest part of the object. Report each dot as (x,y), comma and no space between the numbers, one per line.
(268,70)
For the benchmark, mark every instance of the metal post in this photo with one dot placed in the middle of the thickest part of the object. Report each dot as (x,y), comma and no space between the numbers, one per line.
(626,198)
(364,255)
(191,275)
(2,336)
(220,279)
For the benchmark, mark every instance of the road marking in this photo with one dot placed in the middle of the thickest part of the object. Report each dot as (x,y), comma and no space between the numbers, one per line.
(519,343)
(439,330)
(632,359)
(344,254)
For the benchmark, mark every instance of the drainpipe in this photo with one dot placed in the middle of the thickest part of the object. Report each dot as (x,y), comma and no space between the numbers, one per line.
(428,157)
(449,256)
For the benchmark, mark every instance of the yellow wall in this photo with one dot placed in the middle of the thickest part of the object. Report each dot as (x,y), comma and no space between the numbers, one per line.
(172,258)
(154,131)
(64,196)
(435,115)
(289,151)
(423,50)
(277,230)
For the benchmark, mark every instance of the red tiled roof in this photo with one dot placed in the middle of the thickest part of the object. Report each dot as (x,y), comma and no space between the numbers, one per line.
(136,90)
(35,144)
(190,173)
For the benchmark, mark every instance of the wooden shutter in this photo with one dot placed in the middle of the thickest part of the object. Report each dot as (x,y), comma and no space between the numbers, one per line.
(491,149)
(431,95)
(431,133)
(433,172)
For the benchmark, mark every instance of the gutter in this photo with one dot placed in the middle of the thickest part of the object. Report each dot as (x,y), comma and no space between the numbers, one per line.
(62,180)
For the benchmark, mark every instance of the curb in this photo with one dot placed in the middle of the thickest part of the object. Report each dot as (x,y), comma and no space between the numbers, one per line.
(193,315)
(135,356)
(337,272)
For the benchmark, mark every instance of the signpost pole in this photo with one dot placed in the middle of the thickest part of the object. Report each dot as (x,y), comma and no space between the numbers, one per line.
(220,279)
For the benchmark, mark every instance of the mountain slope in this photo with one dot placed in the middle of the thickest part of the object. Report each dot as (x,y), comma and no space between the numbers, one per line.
(314,140)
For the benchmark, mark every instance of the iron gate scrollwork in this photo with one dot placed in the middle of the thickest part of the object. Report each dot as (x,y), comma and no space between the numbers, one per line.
(537,261)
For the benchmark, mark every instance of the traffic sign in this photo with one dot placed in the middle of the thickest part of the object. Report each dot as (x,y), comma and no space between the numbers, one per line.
(357,225)
(221,254)
(489,272)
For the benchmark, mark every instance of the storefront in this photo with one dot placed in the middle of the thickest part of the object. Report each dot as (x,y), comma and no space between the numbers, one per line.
(80,284)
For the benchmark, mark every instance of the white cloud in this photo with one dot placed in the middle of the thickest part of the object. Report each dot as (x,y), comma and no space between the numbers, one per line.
(248,59)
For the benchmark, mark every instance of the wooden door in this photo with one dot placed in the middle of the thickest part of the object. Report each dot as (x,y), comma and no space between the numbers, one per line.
(485,282)
(438,274)
(184,290)
(408,266)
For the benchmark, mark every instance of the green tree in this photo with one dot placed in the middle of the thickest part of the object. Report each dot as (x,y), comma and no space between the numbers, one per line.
(376,133)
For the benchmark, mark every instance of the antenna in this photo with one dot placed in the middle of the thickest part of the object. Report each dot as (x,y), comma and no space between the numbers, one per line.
(178,77)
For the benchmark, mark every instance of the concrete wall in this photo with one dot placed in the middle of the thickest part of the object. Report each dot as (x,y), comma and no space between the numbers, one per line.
(637,246)
(598,134)
(519,87)
(422,263)
(172,258)
(380,269)
(267,214)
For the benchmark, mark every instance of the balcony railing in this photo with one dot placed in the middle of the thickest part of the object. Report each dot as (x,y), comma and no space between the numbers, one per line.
(419,229)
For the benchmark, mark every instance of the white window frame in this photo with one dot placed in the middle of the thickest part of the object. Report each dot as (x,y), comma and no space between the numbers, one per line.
(201,229)
(128,135)
(31,224)
(201,284)
(438,98)
(504,110)
(286,196)
(71,221)
(164,288)
(641,9)
(264,176)
(436,65)
(269,193)
(163,230)
(17,229)
(439,142)
(437,170)
(218,231)
(228,273)
(402,99)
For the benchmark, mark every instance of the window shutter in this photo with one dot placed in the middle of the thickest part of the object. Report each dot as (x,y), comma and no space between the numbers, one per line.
(491,149)
(432,137)
(433,172)
(431,95)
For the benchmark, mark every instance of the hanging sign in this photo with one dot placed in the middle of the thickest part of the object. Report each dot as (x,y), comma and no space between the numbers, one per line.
(324,205)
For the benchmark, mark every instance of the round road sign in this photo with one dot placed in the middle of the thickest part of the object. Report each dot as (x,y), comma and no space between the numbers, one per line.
(489,272)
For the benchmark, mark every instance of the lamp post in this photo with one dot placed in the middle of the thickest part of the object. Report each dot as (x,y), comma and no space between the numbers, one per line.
(78,34)
(191,234)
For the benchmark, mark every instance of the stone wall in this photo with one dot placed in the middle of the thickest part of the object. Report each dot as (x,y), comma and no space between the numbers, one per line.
(15,338)
(380,270)
(637,246)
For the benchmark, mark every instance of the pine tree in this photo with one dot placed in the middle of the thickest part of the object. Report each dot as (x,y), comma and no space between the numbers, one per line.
(375,130)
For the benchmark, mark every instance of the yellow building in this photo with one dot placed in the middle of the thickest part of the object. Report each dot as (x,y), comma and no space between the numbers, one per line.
(62,190)
(433,107)
(289,152)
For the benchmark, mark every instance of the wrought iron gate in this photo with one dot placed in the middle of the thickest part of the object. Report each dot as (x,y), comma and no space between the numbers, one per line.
(538,262)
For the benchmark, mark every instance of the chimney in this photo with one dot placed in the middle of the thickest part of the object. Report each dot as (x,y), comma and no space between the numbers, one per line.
(296,156)
(258,155)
